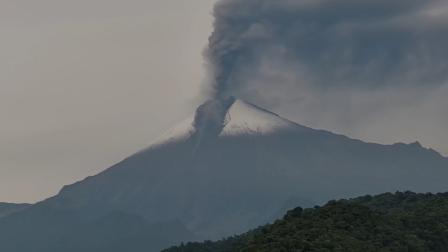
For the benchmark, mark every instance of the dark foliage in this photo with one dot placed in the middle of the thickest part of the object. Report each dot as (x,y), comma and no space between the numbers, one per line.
(387,222)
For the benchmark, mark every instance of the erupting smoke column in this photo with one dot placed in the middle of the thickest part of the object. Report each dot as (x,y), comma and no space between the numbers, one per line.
(210,119)
(327,44)
(210,116)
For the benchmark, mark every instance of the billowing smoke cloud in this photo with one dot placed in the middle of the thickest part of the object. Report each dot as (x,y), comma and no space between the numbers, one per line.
(338,64)
(364,44)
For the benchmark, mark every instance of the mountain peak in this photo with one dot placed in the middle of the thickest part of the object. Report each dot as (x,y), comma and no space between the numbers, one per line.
(246,118)
(226,117)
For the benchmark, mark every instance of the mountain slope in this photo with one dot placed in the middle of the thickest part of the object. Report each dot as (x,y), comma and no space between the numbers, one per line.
(229,168)
(57,228)
(10,208)
(387,222)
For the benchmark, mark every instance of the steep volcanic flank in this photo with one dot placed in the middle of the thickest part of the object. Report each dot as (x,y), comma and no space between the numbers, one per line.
(225,117)
(8,208)
(229,168)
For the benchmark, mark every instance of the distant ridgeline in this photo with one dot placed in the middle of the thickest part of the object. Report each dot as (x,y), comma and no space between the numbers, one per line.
(387,222)
(9,208)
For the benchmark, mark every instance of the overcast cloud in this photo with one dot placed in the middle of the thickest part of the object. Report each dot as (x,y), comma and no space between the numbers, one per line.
(85,83)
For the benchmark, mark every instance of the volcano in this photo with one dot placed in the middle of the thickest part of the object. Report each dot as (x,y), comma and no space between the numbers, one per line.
(230,167)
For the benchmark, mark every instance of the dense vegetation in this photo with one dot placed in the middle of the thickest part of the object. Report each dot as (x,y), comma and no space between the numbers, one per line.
(387,222)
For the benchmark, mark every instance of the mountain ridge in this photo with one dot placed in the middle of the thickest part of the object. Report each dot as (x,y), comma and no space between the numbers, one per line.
(11,208)
(246,177)
(186,129)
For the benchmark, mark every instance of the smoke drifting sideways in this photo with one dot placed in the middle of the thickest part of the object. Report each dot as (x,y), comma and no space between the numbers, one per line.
(346,65)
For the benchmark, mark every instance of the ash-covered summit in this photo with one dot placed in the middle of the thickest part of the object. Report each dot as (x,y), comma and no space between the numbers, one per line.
(230,167)
(226,117)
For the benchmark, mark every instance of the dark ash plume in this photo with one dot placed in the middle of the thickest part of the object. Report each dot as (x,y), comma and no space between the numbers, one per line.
(210,120)
(327,45)
(210,117)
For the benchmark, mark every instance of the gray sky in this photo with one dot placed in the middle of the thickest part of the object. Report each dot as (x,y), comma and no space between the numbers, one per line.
(85,83)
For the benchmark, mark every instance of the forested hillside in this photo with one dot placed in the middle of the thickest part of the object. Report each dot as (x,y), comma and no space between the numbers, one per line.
(387,222)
